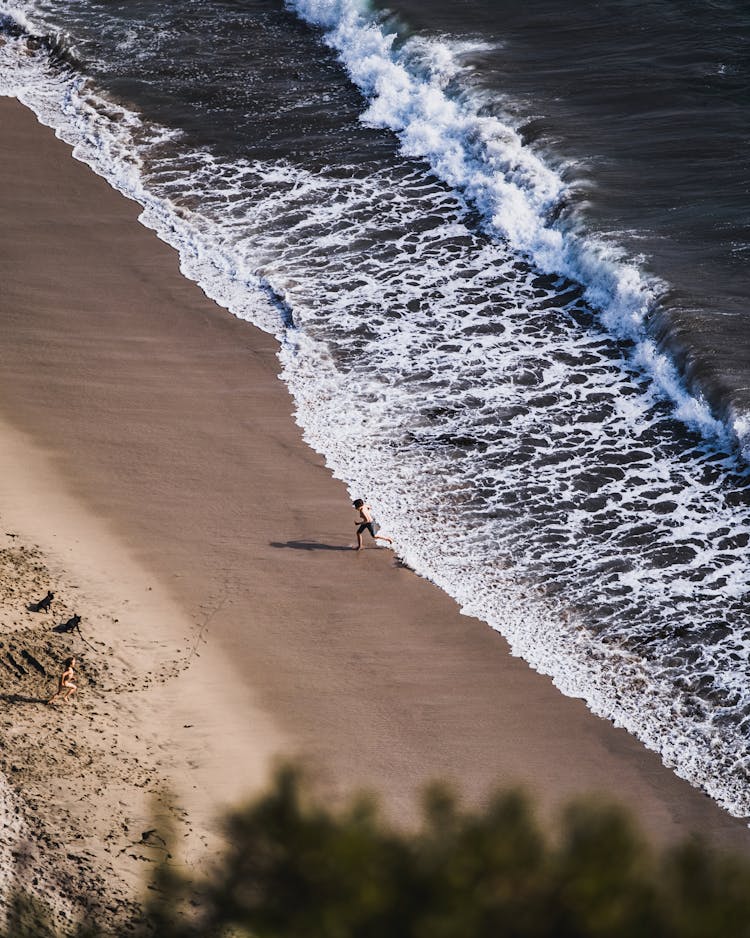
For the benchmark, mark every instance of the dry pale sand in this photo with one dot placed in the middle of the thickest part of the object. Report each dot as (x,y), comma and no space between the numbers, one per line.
(152,472)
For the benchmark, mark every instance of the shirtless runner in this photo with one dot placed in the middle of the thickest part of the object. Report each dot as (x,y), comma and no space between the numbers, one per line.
(365,523)
(65,688)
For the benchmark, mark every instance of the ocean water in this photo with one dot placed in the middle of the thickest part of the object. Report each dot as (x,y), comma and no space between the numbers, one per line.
(504,252)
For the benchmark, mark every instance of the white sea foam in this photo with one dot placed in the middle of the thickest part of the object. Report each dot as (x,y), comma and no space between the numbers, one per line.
(113,141)
(486,160)
(474,387)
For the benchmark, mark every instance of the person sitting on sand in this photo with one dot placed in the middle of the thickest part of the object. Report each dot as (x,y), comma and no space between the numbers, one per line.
(365,523)
(65,688)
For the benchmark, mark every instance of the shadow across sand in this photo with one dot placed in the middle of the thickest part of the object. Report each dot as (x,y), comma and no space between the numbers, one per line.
(21,698)
(308,545)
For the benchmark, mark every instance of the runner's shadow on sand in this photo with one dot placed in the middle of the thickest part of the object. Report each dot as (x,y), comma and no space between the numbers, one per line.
(308,545)
(20,698)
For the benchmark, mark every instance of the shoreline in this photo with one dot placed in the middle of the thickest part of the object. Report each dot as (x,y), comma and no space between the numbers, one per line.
(149,449)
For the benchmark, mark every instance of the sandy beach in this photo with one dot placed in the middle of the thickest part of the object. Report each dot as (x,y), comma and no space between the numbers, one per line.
(153,477)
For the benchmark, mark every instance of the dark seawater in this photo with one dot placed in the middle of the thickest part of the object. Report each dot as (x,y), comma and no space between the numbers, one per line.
(477,228)
(646,107)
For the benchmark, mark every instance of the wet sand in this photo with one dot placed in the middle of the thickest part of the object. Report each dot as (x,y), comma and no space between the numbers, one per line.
(149,456)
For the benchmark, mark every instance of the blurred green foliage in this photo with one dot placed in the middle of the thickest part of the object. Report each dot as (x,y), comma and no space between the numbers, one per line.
(297,870)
